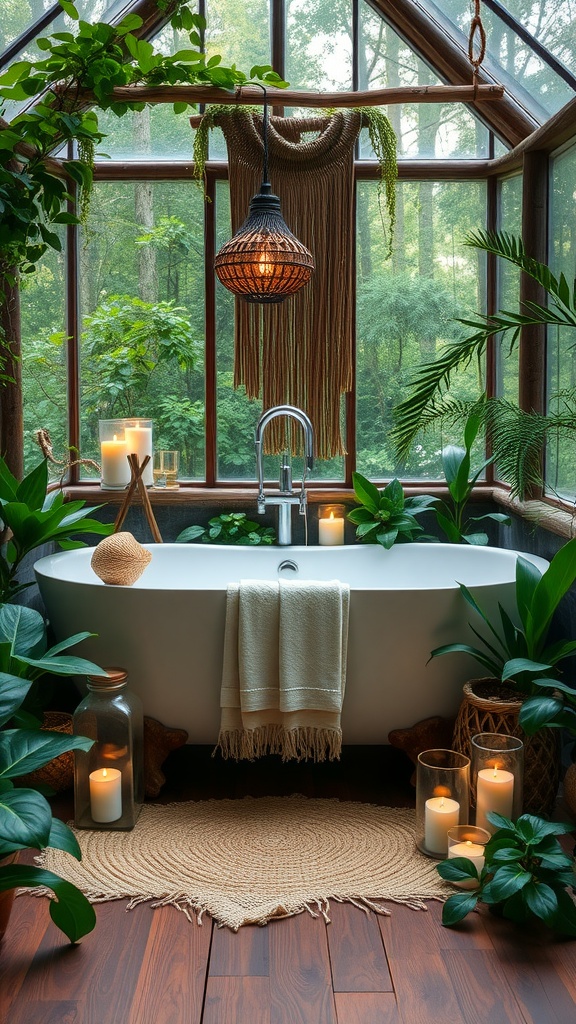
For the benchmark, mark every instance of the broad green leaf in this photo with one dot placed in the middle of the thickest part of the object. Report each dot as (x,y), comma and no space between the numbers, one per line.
(387,538)
(452,457)
(394,494)
(456,869)
(449,527)
(477,539)
(516,666)
(25,820)
(471,428)
(25,750)
(69,9)
(23,628)
(541,900)
(62,838)
(565,918)
(32,490)
(366,492)
(70,911)
(507,880)
(64,665)
(457,906)
(12,692)
(538,712)
(554,584)
(528,577)
(478,656)
(360,515)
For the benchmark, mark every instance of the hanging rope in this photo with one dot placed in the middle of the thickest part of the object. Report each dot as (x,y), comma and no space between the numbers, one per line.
(476,38)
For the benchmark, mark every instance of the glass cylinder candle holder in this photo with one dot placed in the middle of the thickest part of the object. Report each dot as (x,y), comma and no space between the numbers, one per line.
(138,433)
(497,776)
(442,794)
(331,522)
(468,841)
(166,465)
(109,778)
(115,471)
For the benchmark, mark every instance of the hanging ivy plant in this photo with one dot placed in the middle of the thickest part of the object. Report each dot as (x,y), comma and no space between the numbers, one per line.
(76,68)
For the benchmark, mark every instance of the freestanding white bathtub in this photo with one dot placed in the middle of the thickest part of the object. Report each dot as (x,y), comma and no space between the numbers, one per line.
(167,630)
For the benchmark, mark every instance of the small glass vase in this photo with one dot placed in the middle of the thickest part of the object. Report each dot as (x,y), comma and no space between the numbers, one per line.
(442,798)
(109,778)
(497,776)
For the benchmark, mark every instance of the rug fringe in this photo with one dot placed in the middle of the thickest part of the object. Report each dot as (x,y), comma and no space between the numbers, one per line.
(302,744)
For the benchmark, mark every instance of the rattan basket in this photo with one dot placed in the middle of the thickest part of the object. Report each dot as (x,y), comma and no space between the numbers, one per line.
(58,773)
(489,707)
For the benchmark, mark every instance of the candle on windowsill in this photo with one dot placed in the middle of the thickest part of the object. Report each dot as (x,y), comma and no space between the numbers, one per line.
(138,435)
(106,794)
(331,525)
(115,466)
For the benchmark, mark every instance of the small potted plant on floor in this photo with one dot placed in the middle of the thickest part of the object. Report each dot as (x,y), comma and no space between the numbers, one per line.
(526,876)
(517,656)
(25,814)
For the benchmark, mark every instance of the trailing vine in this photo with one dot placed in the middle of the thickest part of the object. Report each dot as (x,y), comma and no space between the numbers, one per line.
(383,141)
(95,59)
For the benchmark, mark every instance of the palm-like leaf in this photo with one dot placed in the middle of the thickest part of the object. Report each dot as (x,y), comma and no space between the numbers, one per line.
(426,400)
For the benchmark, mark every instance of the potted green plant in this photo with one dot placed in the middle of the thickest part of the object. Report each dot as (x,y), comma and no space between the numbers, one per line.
(516,655)
(31,515)
(25,814)
(526,876)
(386,516)
(456,462)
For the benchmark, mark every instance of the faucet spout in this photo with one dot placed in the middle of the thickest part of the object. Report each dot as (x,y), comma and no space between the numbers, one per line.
(285,497)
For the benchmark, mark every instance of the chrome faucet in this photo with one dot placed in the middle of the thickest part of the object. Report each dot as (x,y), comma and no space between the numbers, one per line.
(286,496)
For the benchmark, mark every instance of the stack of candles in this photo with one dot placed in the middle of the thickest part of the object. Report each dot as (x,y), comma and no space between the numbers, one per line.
(118,440)
(442,799)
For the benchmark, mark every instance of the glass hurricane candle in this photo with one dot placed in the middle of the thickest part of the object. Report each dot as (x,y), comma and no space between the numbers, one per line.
(442,792)
(115,468)
(109,778)
(497,776)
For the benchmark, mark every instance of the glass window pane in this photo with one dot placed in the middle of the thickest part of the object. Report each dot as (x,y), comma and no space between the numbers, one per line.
(423,130)
(561,341)
(142,298)
(318,44)
(237,415)
(44,379)
(508,284)
(407,308)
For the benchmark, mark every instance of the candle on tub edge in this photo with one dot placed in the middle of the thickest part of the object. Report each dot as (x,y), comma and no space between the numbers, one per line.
(115,465)
(139,440)
(331,530)
(106,794)
(475,853)
(494,792)
(440,814)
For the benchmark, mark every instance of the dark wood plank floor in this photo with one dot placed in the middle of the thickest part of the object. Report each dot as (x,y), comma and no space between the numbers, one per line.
(155,967)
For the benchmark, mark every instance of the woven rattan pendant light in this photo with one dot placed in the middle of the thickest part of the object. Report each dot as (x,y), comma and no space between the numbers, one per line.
(264,262)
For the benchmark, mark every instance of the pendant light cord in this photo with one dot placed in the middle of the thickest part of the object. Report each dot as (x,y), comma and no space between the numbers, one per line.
(264,133)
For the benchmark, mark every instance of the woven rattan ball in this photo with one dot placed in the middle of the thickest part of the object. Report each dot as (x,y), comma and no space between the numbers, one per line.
(120,560)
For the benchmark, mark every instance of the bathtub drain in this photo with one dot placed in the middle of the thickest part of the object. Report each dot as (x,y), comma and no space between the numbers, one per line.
(288,564)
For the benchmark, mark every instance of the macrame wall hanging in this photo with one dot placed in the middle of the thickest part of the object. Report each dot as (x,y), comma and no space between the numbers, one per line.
(299,352)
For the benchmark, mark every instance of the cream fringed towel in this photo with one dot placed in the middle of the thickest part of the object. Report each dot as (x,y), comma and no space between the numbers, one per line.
(299,351)
(284,670)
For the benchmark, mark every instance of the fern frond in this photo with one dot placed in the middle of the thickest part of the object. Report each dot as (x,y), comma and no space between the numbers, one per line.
(518,439)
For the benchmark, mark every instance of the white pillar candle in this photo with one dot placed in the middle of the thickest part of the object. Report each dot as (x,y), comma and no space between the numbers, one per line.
(115,465)
(105,794)
(475,853)
(494,792)
(331,530)
(139,441)
(440,814)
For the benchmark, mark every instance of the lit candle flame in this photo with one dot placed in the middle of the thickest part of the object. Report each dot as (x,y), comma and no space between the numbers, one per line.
(331,515)
(115,438)
(104,773)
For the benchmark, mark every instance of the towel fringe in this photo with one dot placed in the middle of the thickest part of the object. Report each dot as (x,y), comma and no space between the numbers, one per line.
(302,744)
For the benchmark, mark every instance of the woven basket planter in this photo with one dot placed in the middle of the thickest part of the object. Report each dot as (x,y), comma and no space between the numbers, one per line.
(488,706)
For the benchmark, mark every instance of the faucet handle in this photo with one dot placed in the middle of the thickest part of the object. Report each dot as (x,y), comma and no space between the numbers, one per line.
(302,503)
(261,504)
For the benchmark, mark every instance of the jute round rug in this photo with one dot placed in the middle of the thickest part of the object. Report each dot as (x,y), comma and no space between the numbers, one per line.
(250,860)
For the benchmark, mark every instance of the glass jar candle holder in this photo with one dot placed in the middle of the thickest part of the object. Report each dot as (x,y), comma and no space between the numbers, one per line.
(331,520)
(115,468)
(468,841)
(109,778)
(497,776)
(138,433)
(442,798)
